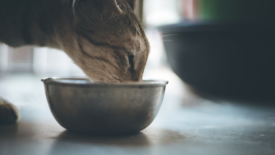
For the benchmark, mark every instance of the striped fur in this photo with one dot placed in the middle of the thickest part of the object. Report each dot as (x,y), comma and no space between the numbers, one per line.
(103,37)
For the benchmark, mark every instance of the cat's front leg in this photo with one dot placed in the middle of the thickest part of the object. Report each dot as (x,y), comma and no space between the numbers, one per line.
(8,113)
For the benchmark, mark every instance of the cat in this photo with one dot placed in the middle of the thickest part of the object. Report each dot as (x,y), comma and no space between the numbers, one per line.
(103,37)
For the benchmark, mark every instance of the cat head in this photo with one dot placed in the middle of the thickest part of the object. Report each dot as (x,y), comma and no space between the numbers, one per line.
(112,46)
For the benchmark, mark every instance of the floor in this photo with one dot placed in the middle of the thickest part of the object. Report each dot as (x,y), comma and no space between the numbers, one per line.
(186,124)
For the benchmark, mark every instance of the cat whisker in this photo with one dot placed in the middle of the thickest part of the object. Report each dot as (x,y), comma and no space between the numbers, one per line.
(109,80)
(110,74)
(100,71)
(102,78)
(104,73)
(134,43)
(168,35)
(106,66)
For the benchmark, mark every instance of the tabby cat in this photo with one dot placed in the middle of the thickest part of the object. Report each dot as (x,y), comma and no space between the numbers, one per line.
(103,37)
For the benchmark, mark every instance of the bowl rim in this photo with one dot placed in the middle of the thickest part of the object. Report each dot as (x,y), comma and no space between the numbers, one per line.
(57,81)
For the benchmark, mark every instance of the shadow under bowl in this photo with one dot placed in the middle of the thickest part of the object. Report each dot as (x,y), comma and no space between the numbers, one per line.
(80,105)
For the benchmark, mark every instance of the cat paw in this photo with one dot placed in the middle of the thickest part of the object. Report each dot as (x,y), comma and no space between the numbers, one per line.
(8,113)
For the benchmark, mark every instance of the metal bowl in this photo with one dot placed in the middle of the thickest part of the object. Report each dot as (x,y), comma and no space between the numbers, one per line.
(80,105)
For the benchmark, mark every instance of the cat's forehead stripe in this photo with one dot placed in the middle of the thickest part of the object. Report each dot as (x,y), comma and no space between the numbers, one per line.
(101,44)
(102,59)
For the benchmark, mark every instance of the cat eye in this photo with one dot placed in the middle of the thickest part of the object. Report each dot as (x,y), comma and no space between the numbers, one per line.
(131,60)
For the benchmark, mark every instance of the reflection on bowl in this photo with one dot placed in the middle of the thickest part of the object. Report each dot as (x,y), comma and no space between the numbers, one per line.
(99,108)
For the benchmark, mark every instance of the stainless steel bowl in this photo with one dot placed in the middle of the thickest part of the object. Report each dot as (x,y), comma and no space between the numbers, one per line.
(80,105)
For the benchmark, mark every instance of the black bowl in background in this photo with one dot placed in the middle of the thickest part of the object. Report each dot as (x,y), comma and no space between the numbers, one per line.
(224,60)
